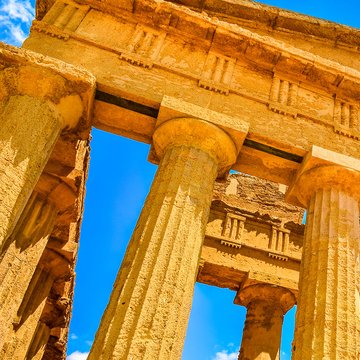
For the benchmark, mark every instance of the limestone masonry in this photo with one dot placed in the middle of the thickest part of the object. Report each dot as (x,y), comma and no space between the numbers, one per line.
(211,85)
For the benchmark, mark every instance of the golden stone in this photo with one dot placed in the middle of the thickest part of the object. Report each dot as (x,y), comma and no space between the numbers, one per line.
(269,93)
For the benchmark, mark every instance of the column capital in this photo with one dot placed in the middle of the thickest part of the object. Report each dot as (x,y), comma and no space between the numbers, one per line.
(322,168)
(272,294)
(184,124)
(69,90)
(57,191)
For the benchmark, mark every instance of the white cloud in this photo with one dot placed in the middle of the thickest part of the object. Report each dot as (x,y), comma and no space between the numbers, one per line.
(77,355)
(225,355)
(18,10)
(73,336)
(17,33)
(88,342)
(15,19)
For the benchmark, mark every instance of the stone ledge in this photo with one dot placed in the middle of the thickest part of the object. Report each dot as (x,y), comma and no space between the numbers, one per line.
(69,88)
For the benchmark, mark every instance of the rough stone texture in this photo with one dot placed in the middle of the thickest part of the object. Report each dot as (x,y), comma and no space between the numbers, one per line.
(147,315)
(149,308)
(261,197)
(48,96)
(238,58)
(36,317)
(251,76)
(266,306)
(252,234)
(24,152)
(253,245)
(326,322)
(52,334)
(19,261)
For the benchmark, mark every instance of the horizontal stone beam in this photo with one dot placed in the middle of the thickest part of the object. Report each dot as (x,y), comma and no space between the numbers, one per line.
(278,88)
(252,236)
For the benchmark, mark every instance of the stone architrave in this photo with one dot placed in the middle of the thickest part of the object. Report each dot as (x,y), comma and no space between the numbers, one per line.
(148,311)
(328,185)
(39,97)
(266,306)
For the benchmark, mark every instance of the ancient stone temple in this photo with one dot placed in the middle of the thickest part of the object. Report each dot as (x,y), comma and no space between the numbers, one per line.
(211,85)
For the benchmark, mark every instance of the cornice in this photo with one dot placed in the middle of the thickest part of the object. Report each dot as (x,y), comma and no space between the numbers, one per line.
(258,15)
(245,12)
(233,40)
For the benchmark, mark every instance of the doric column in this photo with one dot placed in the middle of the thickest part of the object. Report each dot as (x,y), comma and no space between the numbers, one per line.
(27,338)
(357,305)
(148,311)
(24,248)
(39,97)
(21,257)
(328,184)
(266,306)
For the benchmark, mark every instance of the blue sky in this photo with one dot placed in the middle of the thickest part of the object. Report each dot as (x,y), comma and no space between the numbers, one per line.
(119,180)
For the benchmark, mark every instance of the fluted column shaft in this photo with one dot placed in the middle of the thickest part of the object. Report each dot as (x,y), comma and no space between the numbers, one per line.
(151,301)
(266,306)
(326,314)
(20,258)
(27,338)
(152,297)
(29,129)
(18,341)
(39,97)
(262,332)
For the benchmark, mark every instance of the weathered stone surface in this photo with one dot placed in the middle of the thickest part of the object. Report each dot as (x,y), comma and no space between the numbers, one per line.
(255,64)
(265,100)
(266,306)
(252,234)
(257,196)
(149,308)
(19,260)
(58,261)
(48,96)
(59,198)
(52,333)
(326,325)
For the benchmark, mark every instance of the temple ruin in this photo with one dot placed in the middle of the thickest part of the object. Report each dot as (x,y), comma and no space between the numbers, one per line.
(212,86)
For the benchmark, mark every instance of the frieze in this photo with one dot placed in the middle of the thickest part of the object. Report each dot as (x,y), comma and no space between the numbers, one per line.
(66,15)
(279,243)
(217,73)
(144,50)
(144,47)
(235,233)
(283,97)
(346,119)
(233,229)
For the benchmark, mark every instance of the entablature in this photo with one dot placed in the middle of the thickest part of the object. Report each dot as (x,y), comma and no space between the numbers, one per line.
(257,238)
(290,97)
(229,39)
(246,13)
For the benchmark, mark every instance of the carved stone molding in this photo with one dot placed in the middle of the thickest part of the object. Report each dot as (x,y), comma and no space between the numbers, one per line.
(233,229)
(144,47)
(217,73)
(283,97)
(66,15)
(279,243)
(50,30)
(346,119)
